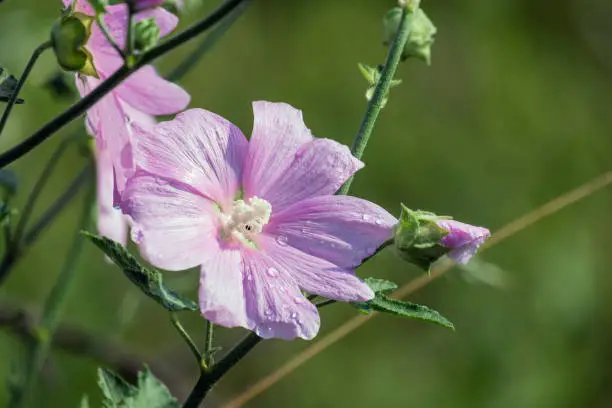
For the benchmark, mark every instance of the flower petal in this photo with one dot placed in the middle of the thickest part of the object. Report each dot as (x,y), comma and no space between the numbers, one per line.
(111,222)
(319,168)
(278,133)
(316,275)
(197,148)
(174,227)
(148,92)
(341,229)
(221,293)
(275,306)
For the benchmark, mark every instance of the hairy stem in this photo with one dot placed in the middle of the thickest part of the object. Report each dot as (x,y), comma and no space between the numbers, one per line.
(113,81)
(54,307)
(26,72)
(209,378)
(208,345)
(183,333)
(381,91)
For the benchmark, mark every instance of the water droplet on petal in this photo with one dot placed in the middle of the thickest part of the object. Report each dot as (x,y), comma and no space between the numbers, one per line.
(282,240)
(365,217)
(379,221)
(298,299)
(137,235)
(294,315)
(249,277)
(272,272)
(268,312)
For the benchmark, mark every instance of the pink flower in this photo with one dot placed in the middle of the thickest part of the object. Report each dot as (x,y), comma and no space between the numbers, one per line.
(464,239)
(260,217)
(140,5)
(136,101)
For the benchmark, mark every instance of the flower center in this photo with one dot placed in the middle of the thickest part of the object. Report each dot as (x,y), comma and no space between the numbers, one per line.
(245,219)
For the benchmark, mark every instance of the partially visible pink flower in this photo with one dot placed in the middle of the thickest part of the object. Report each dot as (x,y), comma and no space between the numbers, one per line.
(140,5)
(260,217)
(135,102)
(464,239)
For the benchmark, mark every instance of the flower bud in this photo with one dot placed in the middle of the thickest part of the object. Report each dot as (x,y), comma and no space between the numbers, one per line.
(69,35)
(147,34)
(422,238)
(421,35)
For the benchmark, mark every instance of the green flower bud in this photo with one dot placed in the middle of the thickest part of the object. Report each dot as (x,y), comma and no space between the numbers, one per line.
(417,238)
(69,36)
(421,36)
(147,34)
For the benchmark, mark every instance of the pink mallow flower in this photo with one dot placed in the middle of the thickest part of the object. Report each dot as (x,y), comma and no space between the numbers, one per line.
(464,239)
(140,5)
(136,101)
(260,217)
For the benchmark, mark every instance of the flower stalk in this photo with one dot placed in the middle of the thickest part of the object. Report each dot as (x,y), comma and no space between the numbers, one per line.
(376,103)
(26,72)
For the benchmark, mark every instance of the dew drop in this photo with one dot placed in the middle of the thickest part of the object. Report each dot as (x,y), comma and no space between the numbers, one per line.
(282,240)
(379,221)
(249,277)
(365,217)
(272,272)
(298,299)
(294,315)
(268,312)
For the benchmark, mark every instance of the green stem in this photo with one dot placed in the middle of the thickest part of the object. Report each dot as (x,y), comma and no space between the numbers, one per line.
(26,72)
(207,43)
(208,345)
(381,91)
(209,378)
(113,81)
(192,346)
(108,36)
(130,38)
(54,307)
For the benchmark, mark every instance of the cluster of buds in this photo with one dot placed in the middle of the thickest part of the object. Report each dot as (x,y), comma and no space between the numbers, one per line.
(422,238)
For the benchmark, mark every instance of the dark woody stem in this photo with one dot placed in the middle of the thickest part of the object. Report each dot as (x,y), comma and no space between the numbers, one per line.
(113,81)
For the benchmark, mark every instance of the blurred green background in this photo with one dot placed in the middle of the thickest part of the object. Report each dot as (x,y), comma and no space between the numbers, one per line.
(515,110)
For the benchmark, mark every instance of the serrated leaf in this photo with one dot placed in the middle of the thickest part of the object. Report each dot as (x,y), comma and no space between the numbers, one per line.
(401,308)
(8,84)
(151,393)
(380,285)
(114,388)
(150,281)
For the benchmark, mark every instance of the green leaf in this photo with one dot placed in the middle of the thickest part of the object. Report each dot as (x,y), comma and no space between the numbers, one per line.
(8,84)
(150,281)
(380,285)
(152,393)
(114,388)
(401,308)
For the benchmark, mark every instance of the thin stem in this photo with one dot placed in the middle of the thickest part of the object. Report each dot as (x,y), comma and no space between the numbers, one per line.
(208,345)
(207,43)
(108,36)
(130,38)
(54,306)
(111,82)
(325,303)
(12,256)
(192,346)
(26,72)
(381,91)
(209,378)
(385,244)
(39,186)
